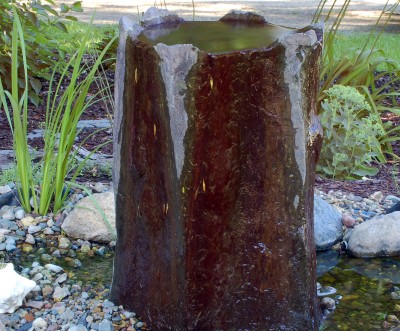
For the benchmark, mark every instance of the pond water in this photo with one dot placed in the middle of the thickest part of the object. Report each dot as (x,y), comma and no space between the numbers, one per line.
(364,285)
(216,37)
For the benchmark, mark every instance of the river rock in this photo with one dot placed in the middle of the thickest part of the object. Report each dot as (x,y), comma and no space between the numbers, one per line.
(6,213)
(327,224)
(86,222)
(60,293)
(376,237)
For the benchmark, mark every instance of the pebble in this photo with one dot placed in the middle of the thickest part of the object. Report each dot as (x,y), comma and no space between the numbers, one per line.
(5,189)
(64,243)
(106,325)
(34,228)
(30,239)
(54,268)
(60,293)
(6,213)
(62,278)
(348,221)
(77,328)
(325,291)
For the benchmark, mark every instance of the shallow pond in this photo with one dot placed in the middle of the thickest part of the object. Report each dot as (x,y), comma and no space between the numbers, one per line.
(364,285)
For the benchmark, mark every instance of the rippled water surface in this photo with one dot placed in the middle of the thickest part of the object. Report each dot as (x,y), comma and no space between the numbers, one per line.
(365,286)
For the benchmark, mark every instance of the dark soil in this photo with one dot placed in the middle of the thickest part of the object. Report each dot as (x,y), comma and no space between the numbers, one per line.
(385,181)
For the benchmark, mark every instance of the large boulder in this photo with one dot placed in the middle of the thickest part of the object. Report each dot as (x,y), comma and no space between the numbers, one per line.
(376,237)
(327,224)
(86,221)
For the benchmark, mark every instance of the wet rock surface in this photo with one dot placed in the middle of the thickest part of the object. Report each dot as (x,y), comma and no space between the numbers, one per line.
(376,237)
(327,224)
(196,201)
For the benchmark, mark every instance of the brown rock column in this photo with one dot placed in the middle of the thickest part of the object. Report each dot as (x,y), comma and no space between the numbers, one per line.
(214,169)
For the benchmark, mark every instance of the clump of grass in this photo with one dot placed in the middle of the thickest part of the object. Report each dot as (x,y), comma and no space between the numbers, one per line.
(64,108)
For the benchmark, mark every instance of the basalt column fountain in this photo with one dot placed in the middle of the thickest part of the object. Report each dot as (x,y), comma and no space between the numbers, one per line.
(215,144)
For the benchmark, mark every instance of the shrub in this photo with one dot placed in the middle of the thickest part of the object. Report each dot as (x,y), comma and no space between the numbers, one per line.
(42,51)
(351,134)
(359,69)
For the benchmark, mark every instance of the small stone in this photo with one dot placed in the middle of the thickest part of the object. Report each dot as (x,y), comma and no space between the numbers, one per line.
(27,221)
(5,189)
(39,324)
(53,268)
(79,327)
(10,247)
(62,278)
(392,319)
(64,243)
(10,240)
(30,239)
(377,196)
(34,304)
(396,307)
(325,291)
(106,325)
(58,308)
(101,251)
(27,248)
(328,303)
(47,291)
(386,325)
(85,248)
(57,254)
(128,314)
(50,223)
(37,277)
(68,315)
(48,231)
(20,214)
(75,263)
(34,228)
(139,324)
(46,257)
(60,293)
(6,213)
(348,221)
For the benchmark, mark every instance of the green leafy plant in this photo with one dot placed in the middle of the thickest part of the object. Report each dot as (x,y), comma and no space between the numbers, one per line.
(64,108)
(41,50)
(359,69)
(19,106)
(352,132)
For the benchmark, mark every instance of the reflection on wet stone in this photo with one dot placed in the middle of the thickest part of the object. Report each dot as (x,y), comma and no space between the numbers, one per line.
(214,167)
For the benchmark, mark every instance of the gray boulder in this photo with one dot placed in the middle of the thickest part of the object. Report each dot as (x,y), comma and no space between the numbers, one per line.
(86,221)
(327,224)
(376,237)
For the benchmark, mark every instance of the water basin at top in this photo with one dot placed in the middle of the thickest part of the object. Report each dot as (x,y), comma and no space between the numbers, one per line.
(216,37)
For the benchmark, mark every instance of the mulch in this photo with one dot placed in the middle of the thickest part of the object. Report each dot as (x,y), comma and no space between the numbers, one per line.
(385,181)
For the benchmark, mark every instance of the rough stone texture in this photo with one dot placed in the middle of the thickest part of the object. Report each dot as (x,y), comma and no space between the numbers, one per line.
(376,237)
(225,242)
(327,224)
(87,223)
